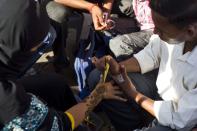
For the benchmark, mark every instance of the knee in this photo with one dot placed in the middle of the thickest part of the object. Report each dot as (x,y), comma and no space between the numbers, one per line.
(126,8)
(120,47)
(114,45)
(57,12)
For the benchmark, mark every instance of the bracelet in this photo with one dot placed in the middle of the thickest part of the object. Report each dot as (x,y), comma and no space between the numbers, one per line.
(91,7)
(70,116)
(118,78)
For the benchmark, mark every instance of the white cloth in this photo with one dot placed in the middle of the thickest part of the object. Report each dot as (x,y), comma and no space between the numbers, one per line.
(176,82)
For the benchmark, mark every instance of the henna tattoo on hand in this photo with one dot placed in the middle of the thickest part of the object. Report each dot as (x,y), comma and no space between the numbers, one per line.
(94,99)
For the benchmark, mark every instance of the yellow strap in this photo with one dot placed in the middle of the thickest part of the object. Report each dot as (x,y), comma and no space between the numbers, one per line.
(105,72)
(70,116)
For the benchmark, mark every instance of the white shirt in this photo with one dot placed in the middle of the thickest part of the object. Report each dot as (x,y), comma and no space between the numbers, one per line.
(176,82)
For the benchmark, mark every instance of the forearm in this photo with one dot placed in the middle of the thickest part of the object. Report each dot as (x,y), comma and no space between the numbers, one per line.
(82,110)
(108,5)
(145,102)
(78,4)
(131,65)
(129,89)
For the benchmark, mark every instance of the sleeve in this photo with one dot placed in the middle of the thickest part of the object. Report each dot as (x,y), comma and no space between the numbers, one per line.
(71,118)
(13,101)
(149,57)
(66,122)
(20,110)
(178,115)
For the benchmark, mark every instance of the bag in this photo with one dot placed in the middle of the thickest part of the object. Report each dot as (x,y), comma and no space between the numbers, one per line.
(45,44)
(92,46)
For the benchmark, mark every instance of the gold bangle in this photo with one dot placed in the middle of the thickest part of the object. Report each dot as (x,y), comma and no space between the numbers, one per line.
(70,116)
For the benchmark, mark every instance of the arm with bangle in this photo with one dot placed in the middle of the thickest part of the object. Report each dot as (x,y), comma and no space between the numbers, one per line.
(80,111)
(127,86)
(102,91)
(119,75)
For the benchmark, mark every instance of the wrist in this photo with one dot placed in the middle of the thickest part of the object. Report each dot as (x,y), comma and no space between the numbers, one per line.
(139,98)
(134,95)
(126,85)
(100,91)
(107,7)
(131,92)
(118,78)
(91,7)
(114,67)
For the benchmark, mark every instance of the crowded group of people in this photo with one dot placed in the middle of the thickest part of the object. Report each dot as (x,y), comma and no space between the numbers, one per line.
(150,88)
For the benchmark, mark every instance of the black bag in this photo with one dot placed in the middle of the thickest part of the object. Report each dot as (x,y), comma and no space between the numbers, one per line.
(94,45)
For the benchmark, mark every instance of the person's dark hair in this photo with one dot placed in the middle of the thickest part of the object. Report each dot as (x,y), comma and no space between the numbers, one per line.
(181,13)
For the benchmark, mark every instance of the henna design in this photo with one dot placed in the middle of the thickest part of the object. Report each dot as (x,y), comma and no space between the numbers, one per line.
(94,99)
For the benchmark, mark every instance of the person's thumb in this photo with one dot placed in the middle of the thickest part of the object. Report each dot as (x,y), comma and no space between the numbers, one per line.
(94,60)
(101,20)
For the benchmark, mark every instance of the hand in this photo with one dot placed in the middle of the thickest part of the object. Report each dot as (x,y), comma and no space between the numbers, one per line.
(97,17)
(110,24)
(100,64)
(127,86)
(111,91)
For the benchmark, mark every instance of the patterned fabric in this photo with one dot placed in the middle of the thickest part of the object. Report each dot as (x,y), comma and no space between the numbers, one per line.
(55,126)
(143,14)
(124,46)
(32,119)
